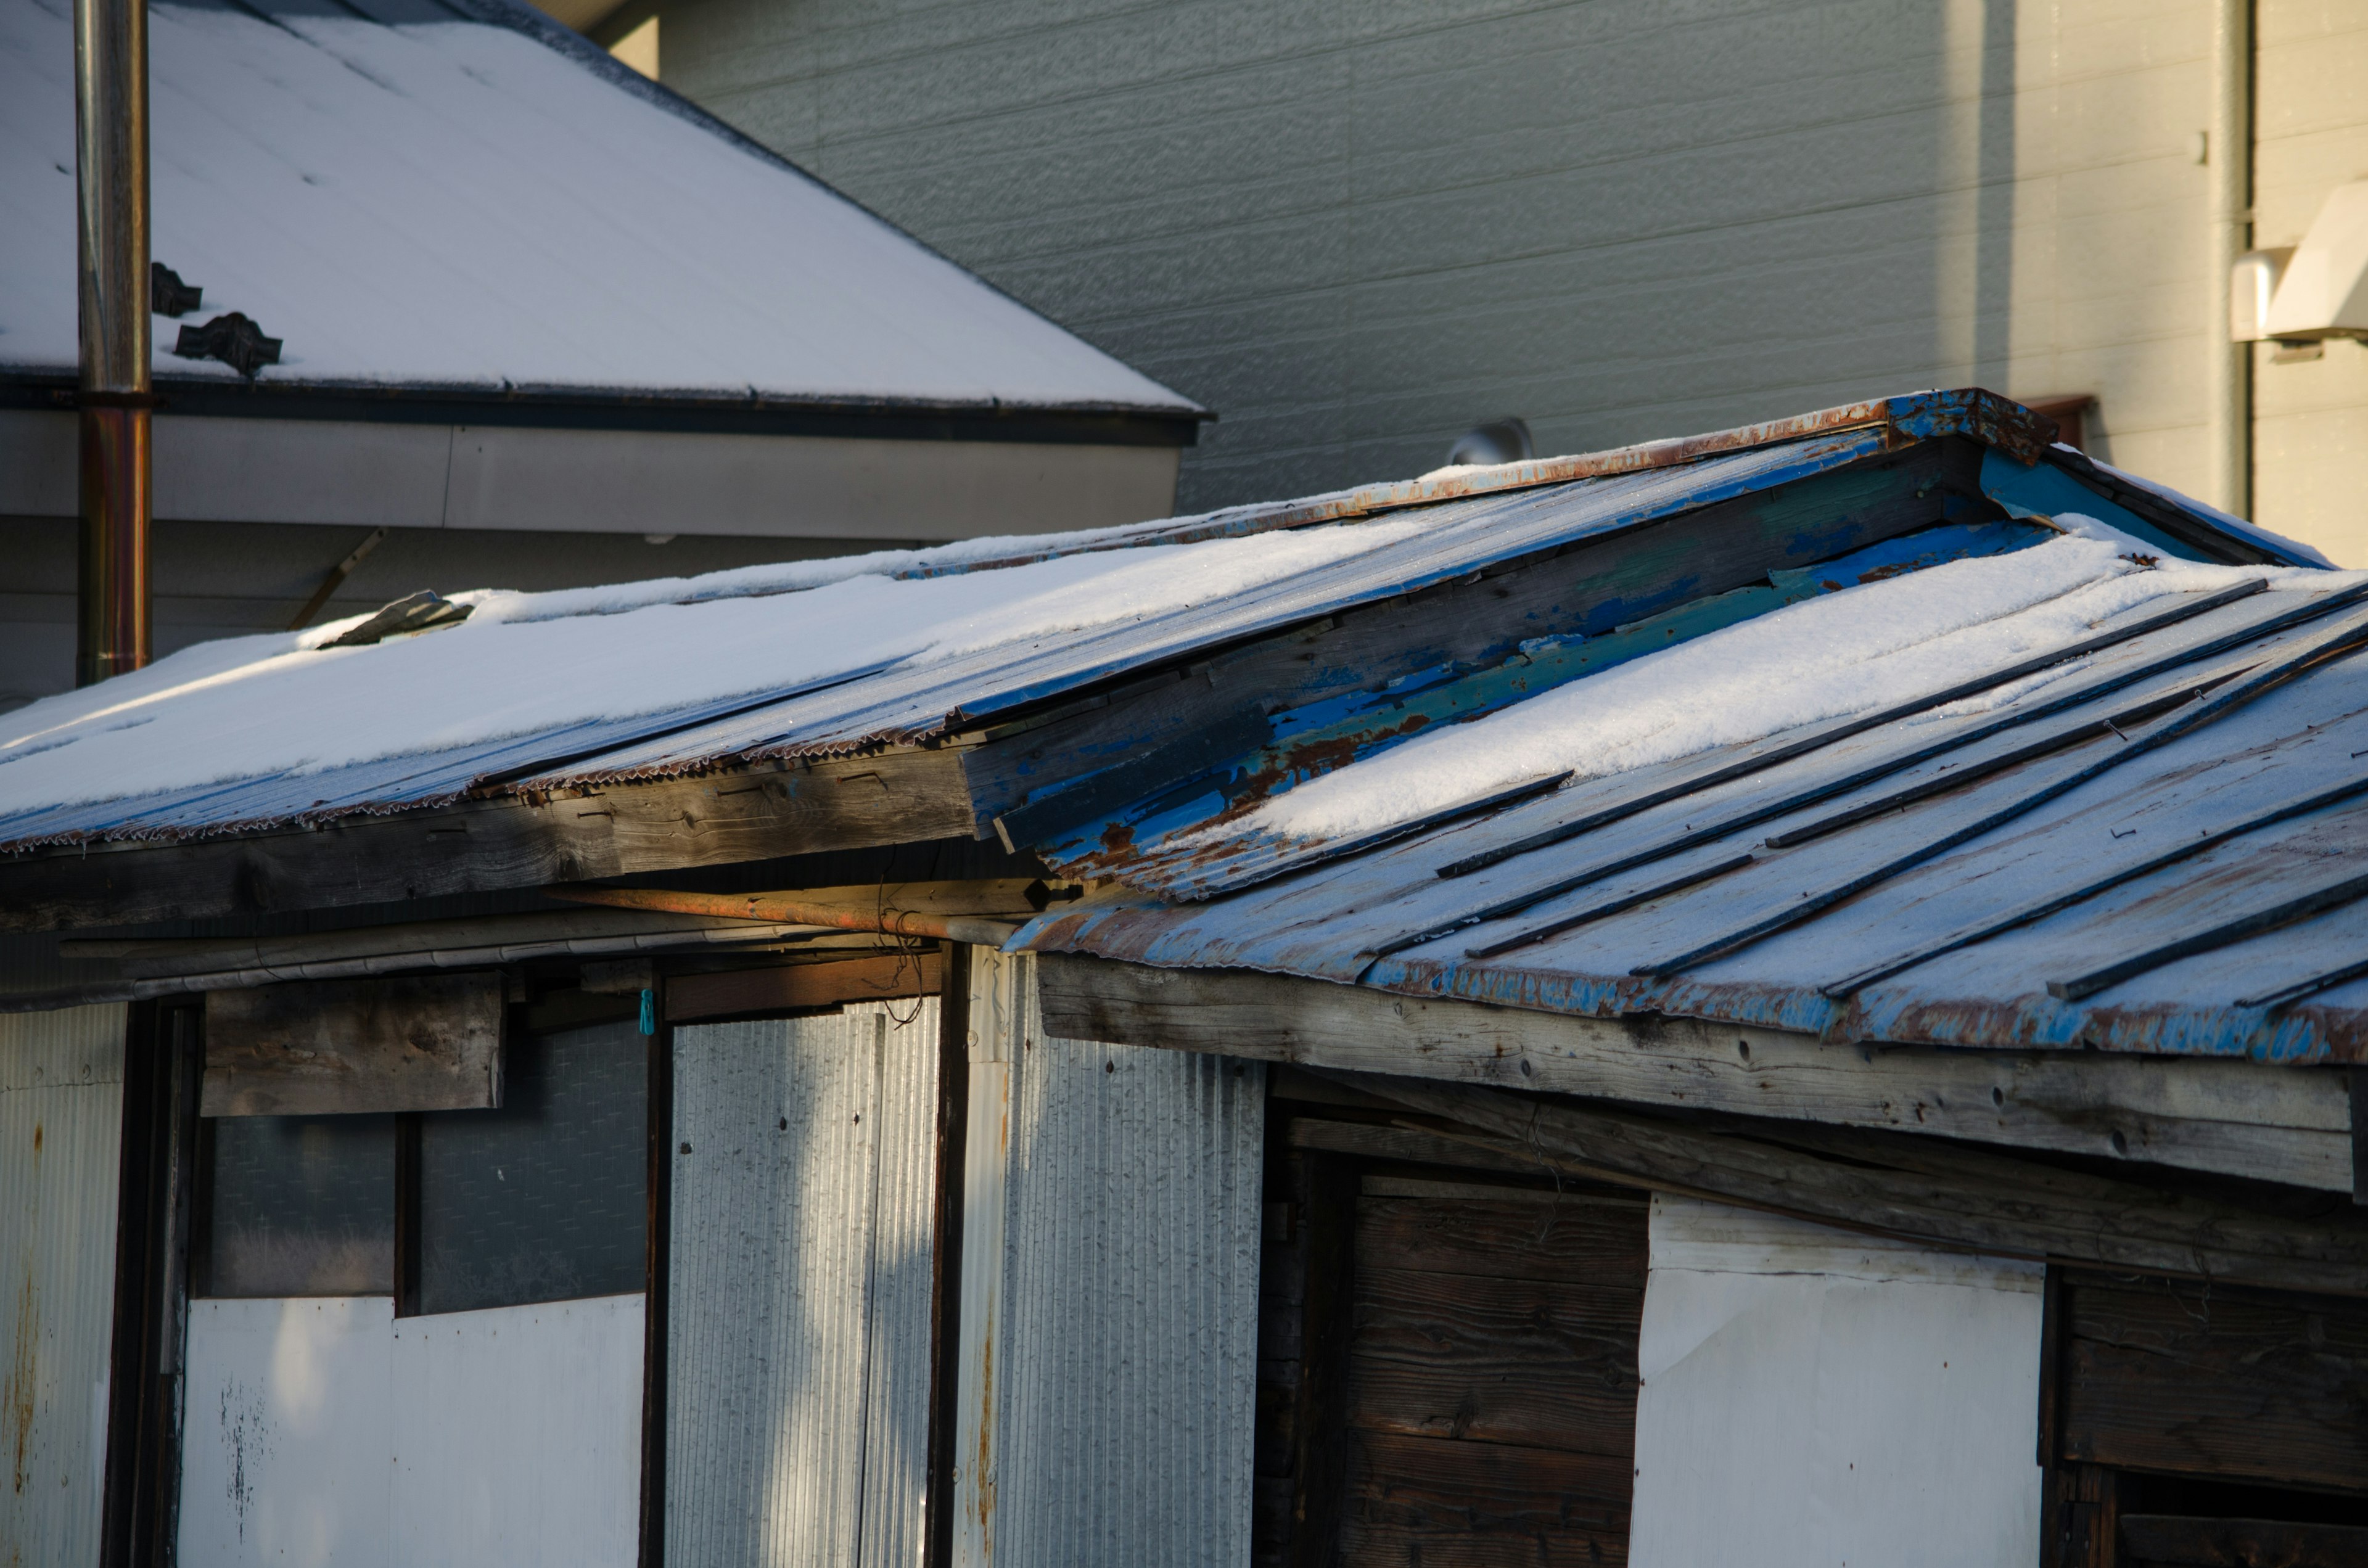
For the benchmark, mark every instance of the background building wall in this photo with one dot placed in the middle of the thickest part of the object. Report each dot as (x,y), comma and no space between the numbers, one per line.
(1357,230)
(2310,119)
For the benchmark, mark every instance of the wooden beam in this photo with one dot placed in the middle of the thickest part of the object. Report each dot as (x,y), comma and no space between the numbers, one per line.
(2284,1124)
(333,1047)
(1936,1194)
(790,988)
(487,845)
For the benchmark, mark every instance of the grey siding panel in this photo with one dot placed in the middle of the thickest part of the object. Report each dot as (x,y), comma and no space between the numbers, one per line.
(60,1132)
(799,1288)
(1125,1337)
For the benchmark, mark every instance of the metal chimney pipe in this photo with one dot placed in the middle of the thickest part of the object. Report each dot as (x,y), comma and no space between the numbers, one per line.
(111,159)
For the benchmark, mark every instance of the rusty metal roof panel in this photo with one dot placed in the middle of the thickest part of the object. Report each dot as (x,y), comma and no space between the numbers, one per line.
(2238,785)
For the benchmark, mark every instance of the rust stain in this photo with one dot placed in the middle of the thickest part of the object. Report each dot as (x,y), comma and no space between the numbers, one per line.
(17,1401)
(986,1441)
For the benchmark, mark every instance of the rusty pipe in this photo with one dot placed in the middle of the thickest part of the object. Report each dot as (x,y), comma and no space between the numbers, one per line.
(112,610)
(791,910)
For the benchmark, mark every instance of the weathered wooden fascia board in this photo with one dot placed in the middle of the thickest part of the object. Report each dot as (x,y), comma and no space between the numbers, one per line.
(2281,1124)
(1586,587)
(1929,1192)
(617,830)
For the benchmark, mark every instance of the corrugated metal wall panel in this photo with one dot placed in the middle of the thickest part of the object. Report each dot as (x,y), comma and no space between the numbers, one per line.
(799,1288)
(60,1132)
(1124,1358)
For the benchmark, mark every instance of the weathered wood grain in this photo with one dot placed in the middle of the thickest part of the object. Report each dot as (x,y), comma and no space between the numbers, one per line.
(2272,1123)
(1542,1406)
(351,1047)
(1412,1145)
(1429,1502)
(797,987)
(1576,1240)
(2170,1540)
(1921,1190)
(2216,1381)
(486,845)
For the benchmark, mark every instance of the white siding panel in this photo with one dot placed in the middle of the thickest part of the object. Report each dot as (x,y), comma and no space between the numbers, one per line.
(518,1436)
(286,1451)
(1117,1368)
(61,1130)
(321,1431)
(1812,1397)
(799,1308)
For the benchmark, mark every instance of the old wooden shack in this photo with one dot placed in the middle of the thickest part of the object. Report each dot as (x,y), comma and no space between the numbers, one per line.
(1793,995)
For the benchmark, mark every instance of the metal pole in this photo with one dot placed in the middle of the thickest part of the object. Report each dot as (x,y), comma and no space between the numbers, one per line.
(111,156)
(2228,151)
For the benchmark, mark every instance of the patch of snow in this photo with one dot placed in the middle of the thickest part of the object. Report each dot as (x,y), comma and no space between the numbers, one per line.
(255,707)
(2129,546)
(1842,653)
(2236,525)
(457,203)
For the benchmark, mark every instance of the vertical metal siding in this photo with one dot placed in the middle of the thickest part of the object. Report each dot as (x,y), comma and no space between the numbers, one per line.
(60,1129)
(1124,1357)
(799,1288)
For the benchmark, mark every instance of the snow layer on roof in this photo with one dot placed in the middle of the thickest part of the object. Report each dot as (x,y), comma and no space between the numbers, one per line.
(2236,525)
(257,707)
(455,202)
(1830,657)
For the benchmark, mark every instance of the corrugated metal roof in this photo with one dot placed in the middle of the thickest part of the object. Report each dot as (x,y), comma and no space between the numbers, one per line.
(1472,522)
(2010,877)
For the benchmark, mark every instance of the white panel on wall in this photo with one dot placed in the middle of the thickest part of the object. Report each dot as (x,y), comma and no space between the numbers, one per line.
(322,1430)
(798,1331)
(61,1133)
(285,1442)
(1110,1350)
(1812,1397)
(518,1436)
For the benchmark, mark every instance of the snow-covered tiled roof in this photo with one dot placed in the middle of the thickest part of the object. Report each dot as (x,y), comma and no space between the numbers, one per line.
(459,194)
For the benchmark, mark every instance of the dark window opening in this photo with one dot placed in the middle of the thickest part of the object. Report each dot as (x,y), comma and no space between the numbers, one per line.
(300,1206)
(543,1199)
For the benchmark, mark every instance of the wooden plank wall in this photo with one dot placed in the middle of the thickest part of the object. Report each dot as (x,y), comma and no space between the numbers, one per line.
(2192,1424)
(1447,1361)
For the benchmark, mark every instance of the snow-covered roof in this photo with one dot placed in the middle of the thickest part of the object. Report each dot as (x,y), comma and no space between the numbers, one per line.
(1980,775)
(461,195)
(831,657)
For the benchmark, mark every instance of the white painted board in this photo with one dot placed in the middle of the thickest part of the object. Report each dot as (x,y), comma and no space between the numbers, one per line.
(1816,1399)
(321,1430)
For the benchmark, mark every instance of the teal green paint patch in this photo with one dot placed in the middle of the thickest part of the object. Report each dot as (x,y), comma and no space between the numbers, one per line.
(2046,490)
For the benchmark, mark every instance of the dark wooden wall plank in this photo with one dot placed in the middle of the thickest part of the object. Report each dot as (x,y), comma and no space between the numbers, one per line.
(1422,1501)
(1583,1240)
(2161,1541)
(346,1047)
(2172,1376)
(799,987)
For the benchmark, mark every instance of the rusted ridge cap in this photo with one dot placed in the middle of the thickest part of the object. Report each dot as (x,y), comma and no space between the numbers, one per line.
(1914,417)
